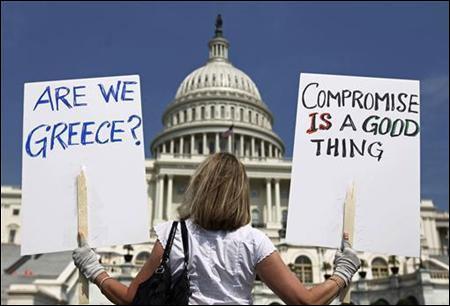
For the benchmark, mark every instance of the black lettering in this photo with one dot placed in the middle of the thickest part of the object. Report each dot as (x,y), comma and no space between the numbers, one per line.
(318,142)
(303,95)
(347,124)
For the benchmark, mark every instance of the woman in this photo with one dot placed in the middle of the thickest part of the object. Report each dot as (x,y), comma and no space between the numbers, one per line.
(226,253)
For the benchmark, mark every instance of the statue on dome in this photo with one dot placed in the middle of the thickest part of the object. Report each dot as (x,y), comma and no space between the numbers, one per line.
(219,24)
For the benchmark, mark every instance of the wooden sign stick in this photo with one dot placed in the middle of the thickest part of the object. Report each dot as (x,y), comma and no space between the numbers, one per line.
(83,291)
(349,222)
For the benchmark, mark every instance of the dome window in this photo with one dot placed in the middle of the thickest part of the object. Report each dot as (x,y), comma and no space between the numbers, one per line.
(202,112)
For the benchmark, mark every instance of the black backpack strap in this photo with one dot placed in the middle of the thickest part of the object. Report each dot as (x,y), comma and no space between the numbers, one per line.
(169,244)
(184,235)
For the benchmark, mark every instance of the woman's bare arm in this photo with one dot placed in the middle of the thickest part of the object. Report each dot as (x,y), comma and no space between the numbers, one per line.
(277,276)
(117,292)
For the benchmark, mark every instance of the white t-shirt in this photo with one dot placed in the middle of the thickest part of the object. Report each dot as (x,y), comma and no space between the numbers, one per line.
(221,263)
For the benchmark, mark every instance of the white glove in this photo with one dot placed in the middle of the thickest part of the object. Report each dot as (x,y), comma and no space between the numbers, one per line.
(346,262)
(86,260)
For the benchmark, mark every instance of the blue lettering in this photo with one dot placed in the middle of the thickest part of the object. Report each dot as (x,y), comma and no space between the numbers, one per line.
(125,91)
(76,95)
(48,100)
(97,139)
(111,92)
(42,141)
(46,138)
(72,133)
(85,132)
(57,135)
(115,130)
(62,97)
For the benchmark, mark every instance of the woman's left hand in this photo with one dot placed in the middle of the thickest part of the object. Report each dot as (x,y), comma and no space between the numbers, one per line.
(86,260)
(346,261)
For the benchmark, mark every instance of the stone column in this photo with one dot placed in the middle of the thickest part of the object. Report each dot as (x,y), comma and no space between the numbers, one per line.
(150,200)
(241,146)
(277,201)
(270,150)
(172,146)
(181,145)
(164,148)
(181,115)
(253,147)
(432,235)
(205,146)
(437,241)
(169,197)
(263,154)
(247,149)
(230,145)
(269,201)
(160,206)
(156,201)
(217,144)
(192,144)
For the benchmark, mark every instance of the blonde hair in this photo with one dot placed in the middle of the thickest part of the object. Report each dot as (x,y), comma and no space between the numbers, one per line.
(217,197)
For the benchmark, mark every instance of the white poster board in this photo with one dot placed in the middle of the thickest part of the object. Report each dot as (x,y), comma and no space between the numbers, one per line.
(364,131)
(92,123)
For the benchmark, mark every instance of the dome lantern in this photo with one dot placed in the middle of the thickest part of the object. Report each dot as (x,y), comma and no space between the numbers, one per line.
(218,45)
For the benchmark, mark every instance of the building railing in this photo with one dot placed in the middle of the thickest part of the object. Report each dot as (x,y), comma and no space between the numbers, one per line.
(439,274)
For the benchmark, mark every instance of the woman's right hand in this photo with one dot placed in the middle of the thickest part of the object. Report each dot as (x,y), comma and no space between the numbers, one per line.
(346,261)
(86,260)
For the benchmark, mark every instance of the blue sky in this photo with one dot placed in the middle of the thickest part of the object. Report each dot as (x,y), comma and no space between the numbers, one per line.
(271,42)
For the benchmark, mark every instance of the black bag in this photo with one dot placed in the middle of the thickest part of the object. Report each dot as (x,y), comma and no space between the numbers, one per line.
(159,288)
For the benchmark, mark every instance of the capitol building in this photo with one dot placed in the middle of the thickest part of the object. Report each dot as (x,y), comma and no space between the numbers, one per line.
(218,108)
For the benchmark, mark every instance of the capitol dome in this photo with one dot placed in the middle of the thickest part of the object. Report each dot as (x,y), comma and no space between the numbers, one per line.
(218,107)
(218,75)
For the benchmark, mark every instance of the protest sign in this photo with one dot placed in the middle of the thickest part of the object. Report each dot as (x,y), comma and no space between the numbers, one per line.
(94,124)
(361,132)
